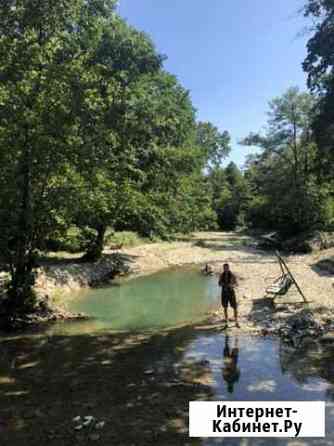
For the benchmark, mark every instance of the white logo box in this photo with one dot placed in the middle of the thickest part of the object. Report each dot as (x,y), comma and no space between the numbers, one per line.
(257,419)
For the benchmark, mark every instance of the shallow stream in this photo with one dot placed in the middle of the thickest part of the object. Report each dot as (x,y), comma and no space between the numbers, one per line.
(130,368)
(163,300)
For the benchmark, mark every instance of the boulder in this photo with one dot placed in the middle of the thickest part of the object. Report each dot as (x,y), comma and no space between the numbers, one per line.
(326,265)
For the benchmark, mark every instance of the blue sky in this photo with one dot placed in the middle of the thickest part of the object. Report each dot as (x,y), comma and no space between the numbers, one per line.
(233,55)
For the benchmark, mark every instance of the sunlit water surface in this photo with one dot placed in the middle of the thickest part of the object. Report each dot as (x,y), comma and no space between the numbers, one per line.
(243,368)
(162,300)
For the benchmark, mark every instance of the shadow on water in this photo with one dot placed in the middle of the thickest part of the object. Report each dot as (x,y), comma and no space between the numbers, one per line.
(141,384)
(129,381)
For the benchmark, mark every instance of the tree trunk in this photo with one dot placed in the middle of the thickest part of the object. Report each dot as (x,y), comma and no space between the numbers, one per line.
(95,249)
(20,293)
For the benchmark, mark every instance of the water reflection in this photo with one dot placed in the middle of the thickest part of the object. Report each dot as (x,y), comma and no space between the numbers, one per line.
(312,366)
(247,368)
(110,375)
(231,371)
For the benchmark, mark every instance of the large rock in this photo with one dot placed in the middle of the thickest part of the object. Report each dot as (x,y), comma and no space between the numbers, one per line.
(327,265)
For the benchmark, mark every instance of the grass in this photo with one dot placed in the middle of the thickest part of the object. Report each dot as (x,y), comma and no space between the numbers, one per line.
(128,239)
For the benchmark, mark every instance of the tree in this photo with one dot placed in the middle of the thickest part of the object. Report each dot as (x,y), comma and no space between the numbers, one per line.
(39,62)
(121,58)
(229,195)
(319,65)
(215,145)
(284,174)
(93,132)
(147,153)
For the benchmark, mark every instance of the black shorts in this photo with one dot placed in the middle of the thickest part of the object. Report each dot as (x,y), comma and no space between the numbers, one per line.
(229,298)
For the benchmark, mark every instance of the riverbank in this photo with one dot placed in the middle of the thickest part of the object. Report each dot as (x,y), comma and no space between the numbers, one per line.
(255,269)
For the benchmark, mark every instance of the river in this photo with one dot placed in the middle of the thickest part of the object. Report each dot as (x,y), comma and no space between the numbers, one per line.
(135,366)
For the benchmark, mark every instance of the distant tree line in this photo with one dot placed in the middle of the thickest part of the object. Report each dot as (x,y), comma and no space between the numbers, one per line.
(288,185)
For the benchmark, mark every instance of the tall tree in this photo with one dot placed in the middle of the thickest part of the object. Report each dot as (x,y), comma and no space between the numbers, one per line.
(39,61)
(284,172)
(229,195)
(319,64)
(121,58)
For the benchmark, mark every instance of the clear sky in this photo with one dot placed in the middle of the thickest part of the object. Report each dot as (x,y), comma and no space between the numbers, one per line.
(233,55)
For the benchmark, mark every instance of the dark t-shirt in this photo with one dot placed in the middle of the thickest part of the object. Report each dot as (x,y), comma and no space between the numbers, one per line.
(227,279)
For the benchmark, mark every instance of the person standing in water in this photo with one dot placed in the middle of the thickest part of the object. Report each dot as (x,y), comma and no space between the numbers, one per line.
(228,282)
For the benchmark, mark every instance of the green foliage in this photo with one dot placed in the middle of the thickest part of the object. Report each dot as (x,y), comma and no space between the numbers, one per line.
(285,191)
(38,130)
(229,194)
(94,133)
(259,213)
(73,240)
(319,65)
(214,144)
(319,62)
(125,238)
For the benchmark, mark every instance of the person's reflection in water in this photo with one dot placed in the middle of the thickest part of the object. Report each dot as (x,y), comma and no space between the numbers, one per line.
(231,372)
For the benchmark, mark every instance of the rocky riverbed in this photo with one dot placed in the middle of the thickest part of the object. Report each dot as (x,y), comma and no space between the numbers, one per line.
(78,389)
(254,268)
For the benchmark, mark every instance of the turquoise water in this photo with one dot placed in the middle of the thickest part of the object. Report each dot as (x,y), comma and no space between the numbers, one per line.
(124,367)
(162,300)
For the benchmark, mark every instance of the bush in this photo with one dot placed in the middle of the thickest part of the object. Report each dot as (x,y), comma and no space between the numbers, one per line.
(126,238)
(74,240)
